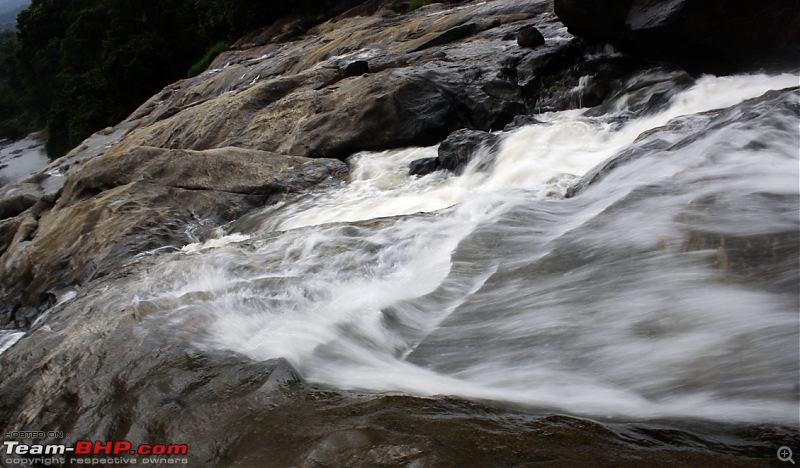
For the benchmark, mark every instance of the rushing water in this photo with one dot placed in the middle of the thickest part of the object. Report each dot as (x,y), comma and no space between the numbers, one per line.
(608,304)
(21,159)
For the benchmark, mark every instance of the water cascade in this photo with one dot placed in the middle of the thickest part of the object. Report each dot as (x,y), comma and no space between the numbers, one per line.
(620,302)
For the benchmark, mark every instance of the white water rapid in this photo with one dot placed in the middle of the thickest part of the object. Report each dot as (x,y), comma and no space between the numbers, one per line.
(610,304)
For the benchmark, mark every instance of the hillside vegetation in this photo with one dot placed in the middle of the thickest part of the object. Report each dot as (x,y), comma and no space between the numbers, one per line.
(77,66)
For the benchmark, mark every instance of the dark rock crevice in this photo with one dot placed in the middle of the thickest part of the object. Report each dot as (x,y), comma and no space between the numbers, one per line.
(719,36)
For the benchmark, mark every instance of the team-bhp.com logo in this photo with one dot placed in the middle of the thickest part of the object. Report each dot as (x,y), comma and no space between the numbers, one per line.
(88,452)
(85,447)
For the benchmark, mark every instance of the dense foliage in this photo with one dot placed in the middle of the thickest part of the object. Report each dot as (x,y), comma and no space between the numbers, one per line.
(15,120)
(81,65)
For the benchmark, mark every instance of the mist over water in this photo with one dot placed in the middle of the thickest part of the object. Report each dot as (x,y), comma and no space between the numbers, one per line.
(621,302)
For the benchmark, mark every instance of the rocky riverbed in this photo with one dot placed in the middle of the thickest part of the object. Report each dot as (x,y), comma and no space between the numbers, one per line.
(161,282)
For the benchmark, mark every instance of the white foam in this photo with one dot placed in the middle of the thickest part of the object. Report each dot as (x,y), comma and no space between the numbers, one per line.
(458,302)
(532,158)
(9,339)
(215,243)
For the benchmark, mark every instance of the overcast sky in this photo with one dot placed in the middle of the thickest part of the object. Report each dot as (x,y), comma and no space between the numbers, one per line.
(8,5)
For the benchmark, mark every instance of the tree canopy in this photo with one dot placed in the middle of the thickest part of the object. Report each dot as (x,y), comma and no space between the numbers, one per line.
(77,66)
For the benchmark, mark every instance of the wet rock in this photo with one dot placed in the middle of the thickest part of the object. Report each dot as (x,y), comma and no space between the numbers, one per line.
(713,36)
(8,227)
(16,198)
(104,368)
(504,90)
(101,366)
(219,134)
(573,75)
(742,259)
(424,166)
(24,317)
(529,37)
(314,173)
(281,30)
(648,93)
(428,77)
(118,205)
(342,448)
(550,59)
(399,109)
(386,109)
(451,35)
(357,68)
(462,146)
(521,121)
(230,170)
(96,235)
(764,259)
(683,131)
(549,77)
(148,384)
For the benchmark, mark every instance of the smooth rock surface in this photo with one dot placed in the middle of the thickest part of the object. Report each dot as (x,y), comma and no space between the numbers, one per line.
(116,206)
(107,368)
(209,148)
(424,166)
(108,361)
(16,198)
(462,146)
(428,75)
(739,257)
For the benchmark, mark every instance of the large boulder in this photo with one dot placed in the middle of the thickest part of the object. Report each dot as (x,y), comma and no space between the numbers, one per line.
(386,109)
(119,205)
(209,148)
(720,36)
(229,170)
(457,151)
(430,73)
(463,146)
(421,167)
(16,198)
(109,360)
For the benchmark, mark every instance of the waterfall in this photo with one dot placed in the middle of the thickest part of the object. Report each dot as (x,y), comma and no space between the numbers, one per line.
(622,302)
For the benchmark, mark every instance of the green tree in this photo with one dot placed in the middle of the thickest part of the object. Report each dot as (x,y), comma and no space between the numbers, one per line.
(82,65)
(15,121)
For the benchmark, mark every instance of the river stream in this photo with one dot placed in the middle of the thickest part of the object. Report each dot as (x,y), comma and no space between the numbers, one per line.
(623,302)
